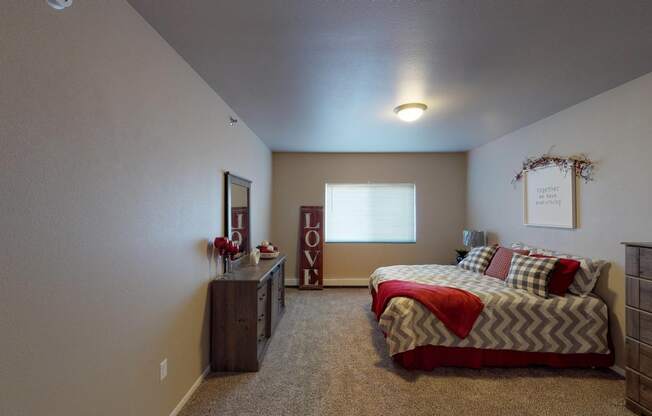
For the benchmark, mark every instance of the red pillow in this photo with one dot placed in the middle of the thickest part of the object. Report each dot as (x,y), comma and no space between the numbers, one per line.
(499,266)
(562,275)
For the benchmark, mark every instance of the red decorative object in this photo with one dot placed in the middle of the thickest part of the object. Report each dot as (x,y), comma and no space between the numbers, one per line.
(562,275)
(429,357)
(310,266)
(221,244)
(457,309)
(233,248)
(501,261)
(268,250)
(580,165)
(225,246)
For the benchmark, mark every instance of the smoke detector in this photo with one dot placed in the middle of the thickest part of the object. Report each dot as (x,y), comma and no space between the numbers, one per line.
(59,4)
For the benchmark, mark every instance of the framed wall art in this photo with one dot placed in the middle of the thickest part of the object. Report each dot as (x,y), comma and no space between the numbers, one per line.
(549,197)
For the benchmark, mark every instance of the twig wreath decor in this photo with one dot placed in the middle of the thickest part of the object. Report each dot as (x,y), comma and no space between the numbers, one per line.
(582,165)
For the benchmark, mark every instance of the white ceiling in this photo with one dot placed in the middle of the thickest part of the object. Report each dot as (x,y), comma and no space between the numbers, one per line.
(318,75)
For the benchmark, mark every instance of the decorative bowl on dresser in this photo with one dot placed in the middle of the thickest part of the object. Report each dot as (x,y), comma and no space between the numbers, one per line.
(246,306)
(638,316)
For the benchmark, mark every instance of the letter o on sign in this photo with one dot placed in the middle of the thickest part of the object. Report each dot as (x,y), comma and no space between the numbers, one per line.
(312,236)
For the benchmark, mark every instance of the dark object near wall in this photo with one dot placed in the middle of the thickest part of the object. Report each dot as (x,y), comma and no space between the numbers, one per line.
(460,255)
(638,313)
(310,263)
(246,307)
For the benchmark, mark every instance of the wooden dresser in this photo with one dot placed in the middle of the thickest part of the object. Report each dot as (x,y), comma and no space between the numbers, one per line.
(246,306)
(638,312)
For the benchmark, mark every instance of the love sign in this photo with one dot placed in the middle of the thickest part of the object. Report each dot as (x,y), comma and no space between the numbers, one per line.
(311,243)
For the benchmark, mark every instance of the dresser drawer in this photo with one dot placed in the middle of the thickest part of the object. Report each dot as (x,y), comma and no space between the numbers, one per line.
(262,299)
(632,385)
(645,391)
(645,262)
(637,409)
(261,320)
(645,295)
(261,323)
(261,339)
(632,290)
(639,357)
(639,293)
(639,388)
(632,349)
(631,260)
(639,325)
(632,324)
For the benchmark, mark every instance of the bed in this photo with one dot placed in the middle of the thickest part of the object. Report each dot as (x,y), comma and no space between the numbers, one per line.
(515,328)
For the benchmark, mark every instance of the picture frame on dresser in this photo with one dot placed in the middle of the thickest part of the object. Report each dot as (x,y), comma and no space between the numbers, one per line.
(638,331)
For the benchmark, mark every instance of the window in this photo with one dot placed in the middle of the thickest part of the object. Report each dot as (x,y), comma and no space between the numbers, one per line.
(370,213)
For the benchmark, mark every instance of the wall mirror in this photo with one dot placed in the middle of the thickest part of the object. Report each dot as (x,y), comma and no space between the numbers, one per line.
(237,211)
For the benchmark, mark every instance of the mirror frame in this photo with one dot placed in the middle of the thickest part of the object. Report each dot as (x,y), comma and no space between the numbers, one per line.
(229,180)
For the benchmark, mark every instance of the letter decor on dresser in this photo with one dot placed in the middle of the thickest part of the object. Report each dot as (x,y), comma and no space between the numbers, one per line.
(246,306)
(638,343)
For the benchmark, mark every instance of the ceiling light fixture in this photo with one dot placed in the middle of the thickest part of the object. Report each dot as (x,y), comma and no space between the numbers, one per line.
(411,111)
(59,4)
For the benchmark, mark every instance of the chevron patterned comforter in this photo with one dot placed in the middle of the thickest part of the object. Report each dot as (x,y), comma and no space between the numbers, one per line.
(512,319)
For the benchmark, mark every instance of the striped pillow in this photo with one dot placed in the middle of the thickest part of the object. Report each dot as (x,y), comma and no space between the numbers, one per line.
(500,264)
(478,259)
(530,273)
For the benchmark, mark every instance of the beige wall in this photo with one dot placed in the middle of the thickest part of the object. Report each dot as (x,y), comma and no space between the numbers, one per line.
(111,156)
(615,129)
(440,178)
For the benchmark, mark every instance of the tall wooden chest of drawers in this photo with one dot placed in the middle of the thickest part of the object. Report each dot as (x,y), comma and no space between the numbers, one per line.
(246,307)
(638,316)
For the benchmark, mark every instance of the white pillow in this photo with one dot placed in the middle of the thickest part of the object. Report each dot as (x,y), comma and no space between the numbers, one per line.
(585,278)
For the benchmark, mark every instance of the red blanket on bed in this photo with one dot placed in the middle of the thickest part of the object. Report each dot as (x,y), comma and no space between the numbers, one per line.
(455,308)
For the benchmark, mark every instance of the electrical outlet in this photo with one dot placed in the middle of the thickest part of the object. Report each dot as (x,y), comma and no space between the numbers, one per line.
(164,369)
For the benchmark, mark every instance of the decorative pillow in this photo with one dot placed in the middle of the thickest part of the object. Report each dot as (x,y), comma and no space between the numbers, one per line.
(478,259)
(585,278)
(533,250)
(587,275)
(502,260)
(562,275)
(530,273)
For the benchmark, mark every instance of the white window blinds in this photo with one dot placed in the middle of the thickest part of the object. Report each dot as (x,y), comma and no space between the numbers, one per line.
(370,213)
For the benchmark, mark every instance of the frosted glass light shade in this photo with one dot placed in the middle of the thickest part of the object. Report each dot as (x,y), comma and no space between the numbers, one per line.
(410,112)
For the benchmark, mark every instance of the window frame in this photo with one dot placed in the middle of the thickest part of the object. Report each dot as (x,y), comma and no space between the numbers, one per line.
(414,204)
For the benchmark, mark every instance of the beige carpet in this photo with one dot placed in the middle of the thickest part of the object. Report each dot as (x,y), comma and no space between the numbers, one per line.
(328,358)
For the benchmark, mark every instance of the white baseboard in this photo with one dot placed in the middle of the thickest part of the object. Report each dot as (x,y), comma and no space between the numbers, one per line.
(353,282)
(618,370)
(190,392)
